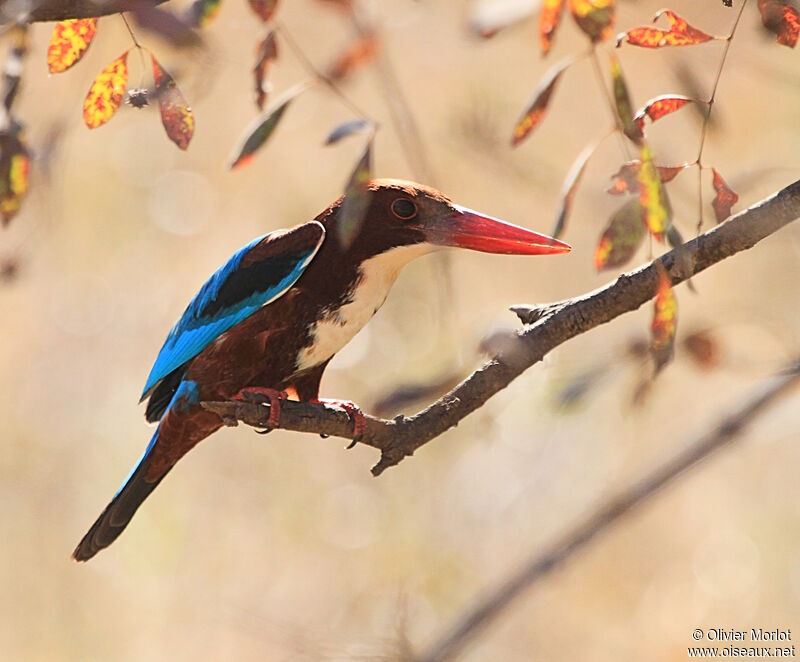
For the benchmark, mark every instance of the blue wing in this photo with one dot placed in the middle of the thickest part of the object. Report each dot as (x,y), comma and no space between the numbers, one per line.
(254,276)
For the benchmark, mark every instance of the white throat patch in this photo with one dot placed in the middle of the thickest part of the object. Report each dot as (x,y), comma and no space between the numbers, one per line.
(338,327)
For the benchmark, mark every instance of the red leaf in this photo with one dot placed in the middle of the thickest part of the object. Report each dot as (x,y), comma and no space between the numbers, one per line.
(724,199)
(176,116)
(622,237)
(781,18)
(537,107)
(680,33)
(264,9)
(359,52)
(548,22)
(660,106)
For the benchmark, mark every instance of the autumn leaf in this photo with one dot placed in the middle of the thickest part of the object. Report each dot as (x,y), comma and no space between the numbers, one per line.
(653,195)
(261,129)
(665,322)
(594,17)
(347,129)
(264,9)
(680,33)
(724,199)
(359,52)
(356,198)
(781,18)
(703,348)
(105,94)
(14,171)
(202,12)
(622,237)
(625,180)
(267,52)
(660,106)
(176,116)
(622,103)
(535,111)
(571,184)
(69,43)
(548,22)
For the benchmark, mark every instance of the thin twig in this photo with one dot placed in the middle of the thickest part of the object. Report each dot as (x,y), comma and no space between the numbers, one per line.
(476,619)
(548,328)
(709,105)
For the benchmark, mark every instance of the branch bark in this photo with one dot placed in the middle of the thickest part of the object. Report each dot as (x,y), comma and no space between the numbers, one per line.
(60,10)
(476,619)
(548,327)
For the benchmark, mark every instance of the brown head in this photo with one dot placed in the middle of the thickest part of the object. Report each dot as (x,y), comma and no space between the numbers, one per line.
(403,214)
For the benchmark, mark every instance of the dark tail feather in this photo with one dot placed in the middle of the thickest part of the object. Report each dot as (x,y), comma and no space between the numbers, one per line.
(119,512)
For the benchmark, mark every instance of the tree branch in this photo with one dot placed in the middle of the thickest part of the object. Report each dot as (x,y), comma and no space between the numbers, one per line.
(476,619)
(549,326)
(59,10)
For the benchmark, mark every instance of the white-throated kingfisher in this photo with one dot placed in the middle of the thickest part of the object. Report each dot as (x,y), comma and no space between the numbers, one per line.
(273,316)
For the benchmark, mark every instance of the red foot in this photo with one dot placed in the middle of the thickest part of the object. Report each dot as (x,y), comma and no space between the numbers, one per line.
(274,396)
(353,410)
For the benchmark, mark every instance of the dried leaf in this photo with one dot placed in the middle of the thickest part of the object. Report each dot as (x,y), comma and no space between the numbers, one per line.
(665,322)
(703,348)
(570,186)
(625,180)
(202,12)
(724,199)
(548,22)
(680,33)
(781,18)
(594,17)
(257,133)
(535,111)
(69,43)
(622,103)
(267,52)
(14,171)
(356,198)
(359,52)
(176,116)
(653,195)
(622,237)
(346,129)
(660,106)
(105,94)
(264,9)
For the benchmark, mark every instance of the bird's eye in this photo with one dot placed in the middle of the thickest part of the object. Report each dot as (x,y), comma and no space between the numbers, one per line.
(404,209)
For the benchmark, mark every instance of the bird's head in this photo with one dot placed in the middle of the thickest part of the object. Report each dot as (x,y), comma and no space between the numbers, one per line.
(403,214)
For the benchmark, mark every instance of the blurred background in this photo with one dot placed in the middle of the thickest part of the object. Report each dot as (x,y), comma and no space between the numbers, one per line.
(284,547)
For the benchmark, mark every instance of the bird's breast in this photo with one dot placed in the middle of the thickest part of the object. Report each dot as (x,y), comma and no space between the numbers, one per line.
(339,322)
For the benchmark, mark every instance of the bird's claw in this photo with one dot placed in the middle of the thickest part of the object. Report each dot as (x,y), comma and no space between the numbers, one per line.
(355,413)
(273,395)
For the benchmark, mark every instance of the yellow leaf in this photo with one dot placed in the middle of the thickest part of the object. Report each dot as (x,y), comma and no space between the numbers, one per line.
(105,94)
(70,40)
(652,195)
(665,321)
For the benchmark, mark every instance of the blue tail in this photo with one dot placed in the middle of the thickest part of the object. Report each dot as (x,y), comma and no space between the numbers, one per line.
(119,512)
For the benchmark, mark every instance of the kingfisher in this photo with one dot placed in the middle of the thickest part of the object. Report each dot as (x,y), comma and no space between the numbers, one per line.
(269,320)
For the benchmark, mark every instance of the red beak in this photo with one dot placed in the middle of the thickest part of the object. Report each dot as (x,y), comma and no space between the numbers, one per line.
(465,228)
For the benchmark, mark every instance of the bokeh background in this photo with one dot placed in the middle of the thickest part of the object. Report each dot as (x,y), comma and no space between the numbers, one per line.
(284,547)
